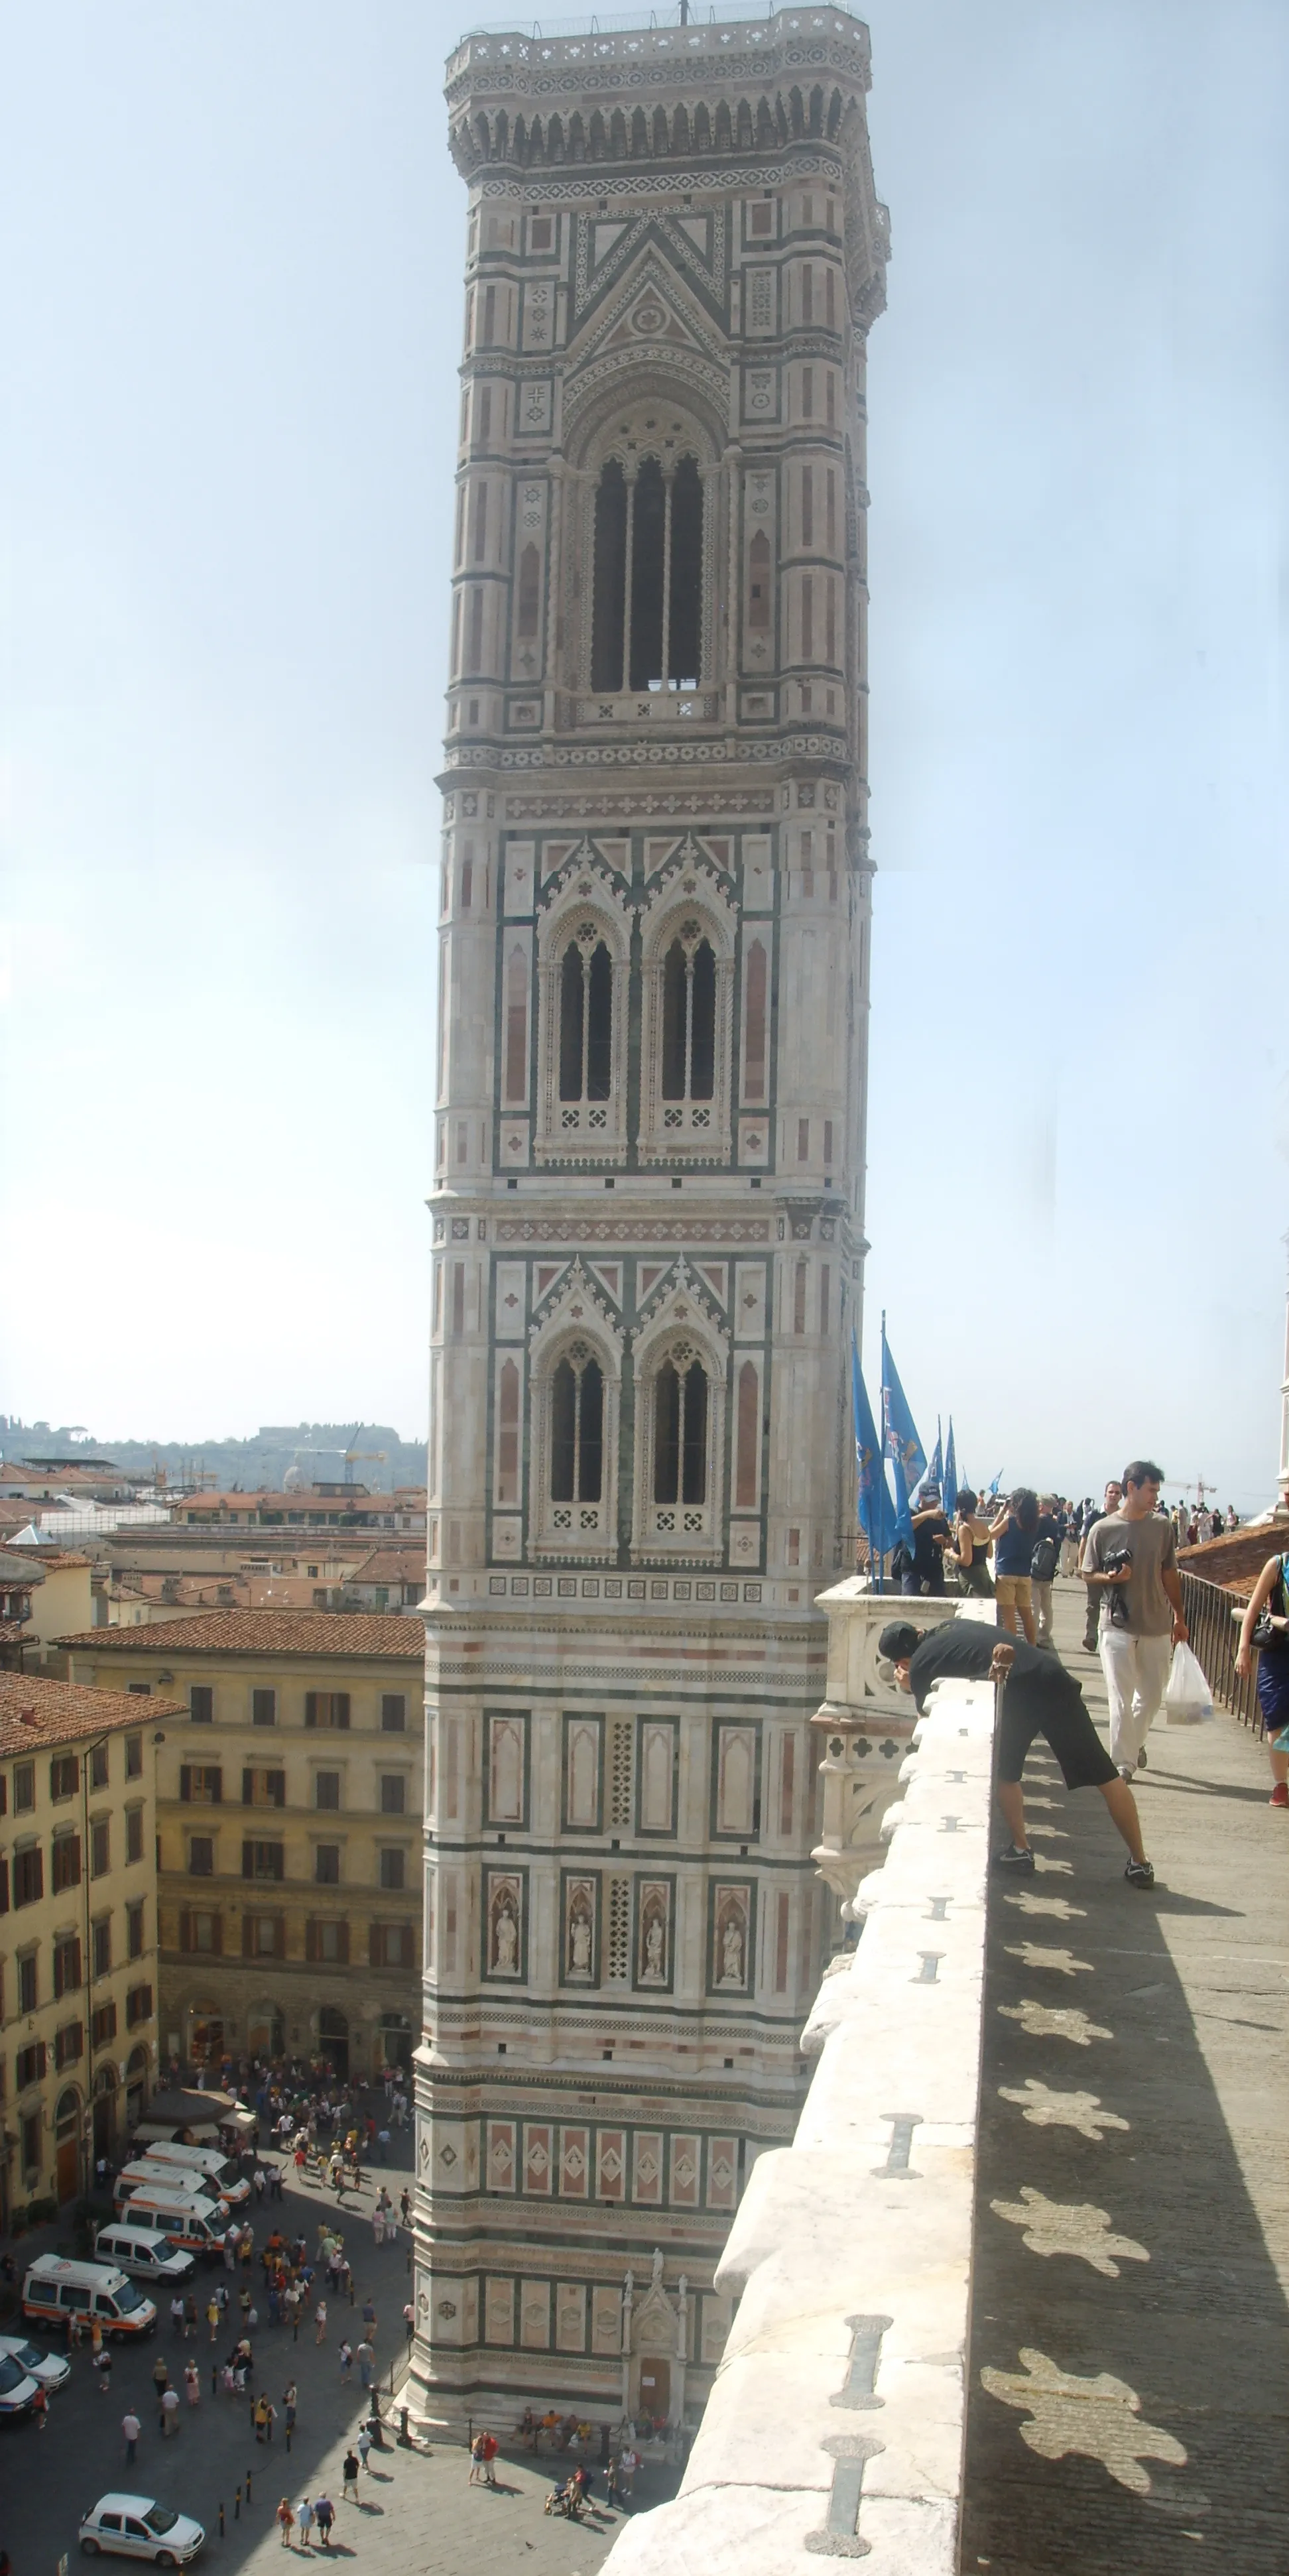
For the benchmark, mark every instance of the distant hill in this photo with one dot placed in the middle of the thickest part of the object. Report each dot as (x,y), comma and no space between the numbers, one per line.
(317,1447)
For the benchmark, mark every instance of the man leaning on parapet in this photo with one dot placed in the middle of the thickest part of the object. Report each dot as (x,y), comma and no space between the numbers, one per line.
(1130,1558)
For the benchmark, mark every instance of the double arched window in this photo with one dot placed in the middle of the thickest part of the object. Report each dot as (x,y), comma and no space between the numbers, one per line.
(680,1432)
(577,1428)
(585,1019)
(647,590)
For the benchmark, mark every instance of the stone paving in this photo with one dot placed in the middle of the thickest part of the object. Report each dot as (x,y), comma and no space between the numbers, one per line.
(1129,2374)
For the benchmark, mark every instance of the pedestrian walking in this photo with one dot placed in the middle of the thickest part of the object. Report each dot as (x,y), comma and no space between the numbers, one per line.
(409,2322)
(349,2476)
(160,2376)
(285,2521)
(169,2412)
(103,2365)
(1039,1698)
(363,2447)
(1130,1558)
(320,2322)
(304,2521)
(190,2317)
(627,2463)
(192,2383)
(324,2514)
(289,2405)
(40,2409)
(177,2314)
(131,2427)
(366,2360)
(369,2320)
(405,2207)
(212,2318)
(346,2359)
(265,2417)
(1042,1568)
(1113,1498)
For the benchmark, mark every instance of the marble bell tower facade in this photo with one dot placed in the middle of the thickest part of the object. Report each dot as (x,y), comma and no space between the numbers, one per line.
(648,1195)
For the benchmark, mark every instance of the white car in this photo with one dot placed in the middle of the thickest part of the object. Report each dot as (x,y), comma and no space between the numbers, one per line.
(131,2526)
(18,2390)
(49,2368)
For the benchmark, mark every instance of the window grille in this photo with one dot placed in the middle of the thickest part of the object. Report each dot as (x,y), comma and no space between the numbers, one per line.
(619,1928)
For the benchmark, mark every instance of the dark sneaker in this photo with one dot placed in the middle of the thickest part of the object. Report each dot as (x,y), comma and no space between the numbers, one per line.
(1141,1759)
(1012,1857)
(1139,1873)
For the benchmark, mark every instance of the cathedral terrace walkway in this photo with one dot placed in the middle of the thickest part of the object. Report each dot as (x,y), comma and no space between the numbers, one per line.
(1128,2238)
(1129,2372)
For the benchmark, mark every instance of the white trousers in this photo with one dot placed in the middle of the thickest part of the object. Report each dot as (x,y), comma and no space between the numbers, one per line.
(1136,1673)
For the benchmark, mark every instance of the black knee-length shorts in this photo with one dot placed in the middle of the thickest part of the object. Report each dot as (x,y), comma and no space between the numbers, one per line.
(1054,1709)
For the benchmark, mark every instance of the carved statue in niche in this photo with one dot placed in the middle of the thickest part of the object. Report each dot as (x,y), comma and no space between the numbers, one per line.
(503,1952)
(653,1938)
(732,1953)
(729,1964)
(579,1944)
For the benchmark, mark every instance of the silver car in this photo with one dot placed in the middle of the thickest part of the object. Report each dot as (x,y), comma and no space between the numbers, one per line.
(131,2526)
(49,2368)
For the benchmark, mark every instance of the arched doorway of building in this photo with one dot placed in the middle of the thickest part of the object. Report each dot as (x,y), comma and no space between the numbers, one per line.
(265,2032)
(205,2035)
(67,2144)
(394,2041)
(136,2086)
(104,2112)
(333,2039)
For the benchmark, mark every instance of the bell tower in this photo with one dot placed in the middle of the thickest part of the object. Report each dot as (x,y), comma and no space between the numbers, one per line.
(648,1187)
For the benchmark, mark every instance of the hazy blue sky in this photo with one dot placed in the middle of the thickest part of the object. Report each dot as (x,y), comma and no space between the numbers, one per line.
(230,310)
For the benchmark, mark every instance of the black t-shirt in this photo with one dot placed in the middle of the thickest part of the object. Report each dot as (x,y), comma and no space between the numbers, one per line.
(928,1542)
(963,1650)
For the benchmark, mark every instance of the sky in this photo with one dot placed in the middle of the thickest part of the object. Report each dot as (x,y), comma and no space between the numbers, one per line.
(230,305)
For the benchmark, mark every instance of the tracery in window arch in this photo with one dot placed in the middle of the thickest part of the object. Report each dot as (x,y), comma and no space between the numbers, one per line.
(585,1017)
(680,1431)
(688,1016)
(577,1427)
(647,587)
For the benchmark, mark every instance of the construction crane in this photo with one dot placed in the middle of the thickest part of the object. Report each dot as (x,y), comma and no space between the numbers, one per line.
(351,1457)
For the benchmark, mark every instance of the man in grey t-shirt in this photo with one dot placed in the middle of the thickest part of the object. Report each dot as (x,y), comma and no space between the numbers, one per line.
(1141,1610)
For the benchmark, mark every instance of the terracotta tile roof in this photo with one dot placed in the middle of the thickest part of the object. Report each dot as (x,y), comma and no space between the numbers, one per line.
(12,1632)
(359,1635)
(66,1711)
(392,1565)
(47,1560)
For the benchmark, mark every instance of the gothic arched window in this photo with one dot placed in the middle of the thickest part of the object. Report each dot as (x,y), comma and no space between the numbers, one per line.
(647,592)
(585,1019)
(680,1433)
(688,1017)
(577,1428)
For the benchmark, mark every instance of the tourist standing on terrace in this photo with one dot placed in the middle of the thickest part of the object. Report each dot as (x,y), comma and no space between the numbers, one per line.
(1130,1558)
(1271,1595)
(1040,1698)
(1012,1535)
(1113,1498)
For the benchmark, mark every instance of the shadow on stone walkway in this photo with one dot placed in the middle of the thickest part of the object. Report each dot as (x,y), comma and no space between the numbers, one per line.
(1129,2371)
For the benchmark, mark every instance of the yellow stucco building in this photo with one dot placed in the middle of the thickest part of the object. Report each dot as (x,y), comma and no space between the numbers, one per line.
(289,1803)
(78,1928)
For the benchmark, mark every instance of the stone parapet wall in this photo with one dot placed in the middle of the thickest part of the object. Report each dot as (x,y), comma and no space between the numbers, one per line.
(835,2425)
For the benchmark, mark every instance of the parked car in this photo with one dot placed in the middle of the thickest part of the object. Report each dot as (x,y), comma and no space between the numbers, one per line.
(143,2250)
(18,2390)
(50,2368)
(131,2526)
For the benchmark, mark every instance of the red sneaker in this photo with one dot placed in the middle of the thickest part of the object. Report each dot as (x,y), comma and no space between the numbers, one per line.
(1280,1794)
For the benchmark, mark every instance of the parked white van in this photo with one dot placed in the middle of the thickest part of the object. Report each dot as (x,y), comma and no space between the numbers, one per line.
(209,2170)
(194,2224)
(144,2251)
(56,2289)
(172,2180)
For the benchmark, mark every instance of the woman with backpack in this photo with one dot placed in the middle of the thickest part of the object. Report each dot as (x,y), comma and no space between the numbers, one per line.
(1265,1628)
(1042,1567)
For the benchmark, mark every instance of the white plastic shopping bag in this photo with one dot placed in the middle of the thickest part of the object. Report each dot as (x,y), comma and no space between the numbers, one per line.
(1187,1699)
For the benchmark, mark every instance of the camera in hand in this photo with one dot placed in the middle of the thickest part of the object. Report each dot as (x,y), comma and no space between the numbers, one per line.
(1114,1562)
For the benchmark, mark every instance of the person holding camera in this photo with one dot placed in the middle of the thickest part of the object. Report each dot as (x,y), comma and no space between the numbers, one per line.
(1265,1629)
(1012,1538)
(1113,1498)
(1130,1559)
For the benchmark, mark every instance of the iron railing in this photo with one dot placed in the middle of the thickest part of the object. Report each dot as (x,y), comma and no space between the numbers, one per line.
(1213,1617)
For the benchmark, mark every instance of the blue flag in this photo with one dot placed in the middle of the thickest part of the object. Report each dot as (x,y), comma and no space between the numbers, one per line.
(935,1472)
(901,1442)
(949,1493)
(874,1500)
(996,1482)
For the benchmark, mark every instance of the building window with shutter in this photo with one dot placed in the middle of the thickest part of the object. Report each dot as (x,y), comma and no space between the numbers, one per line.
(102,2025)
(67,1965)
(101,1946)
(263,1936)
(24,1788)
(201,1784)
(28,1875)
(393,1793)
(29,2068)
(134,1757)
(263,1860)
(326,1864)
(390,1946)
(201,1704)
(28,1982)
(69,2043)
(264,1705)
(327,1941)
(65,1859)
(201,1855)
(134,1920)
(326,1708)
(138,2006)
(326,1789)
(134,1833)
(263,1788)
(393,1712)
(64,1776)
(100,1846)
(393,1867)
(201,1934)
(99,1767)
